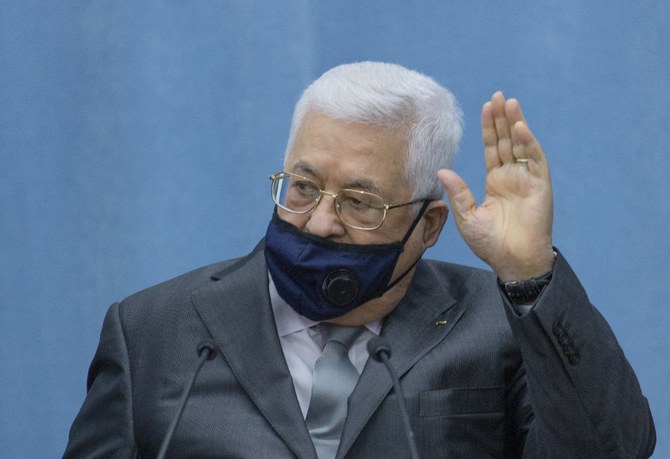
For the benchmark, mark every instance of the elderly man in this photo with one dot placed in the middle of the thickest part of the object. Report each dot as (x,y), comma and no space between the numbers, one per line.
(505,364)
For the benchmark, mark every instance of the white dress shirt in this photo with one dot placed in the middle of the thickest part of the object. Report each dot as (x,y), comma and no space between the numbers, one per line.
(302,344)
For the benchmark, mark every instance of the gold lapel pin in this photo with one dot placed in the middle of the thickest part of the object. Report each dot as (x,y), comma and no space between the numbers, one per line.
(440,322)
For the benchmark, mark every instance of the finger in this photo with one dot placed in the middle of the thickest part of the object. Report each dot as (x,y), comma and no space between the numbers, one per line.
(461,198)
(521,134)
(490,139)
(502,127)
(526,146)
(524,143)
(513,111)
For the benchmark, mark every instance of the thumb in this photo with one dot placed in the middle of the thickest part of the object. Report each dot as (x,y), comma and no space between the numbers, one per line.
(461,198)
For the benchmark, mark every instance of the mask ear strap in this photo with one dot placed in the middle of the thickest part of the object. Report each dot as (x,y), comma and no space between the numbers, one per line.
(416,220)
(404,240)
(393,284)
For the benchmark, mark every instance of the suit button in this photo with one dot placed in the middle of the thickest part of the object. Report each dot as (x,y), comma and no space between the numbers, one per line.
(561,334)
(557,329)
(574,358)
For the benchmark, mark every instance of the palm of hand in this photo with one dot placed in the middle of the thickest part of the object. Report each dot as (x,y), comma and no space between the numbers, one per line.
(513,216)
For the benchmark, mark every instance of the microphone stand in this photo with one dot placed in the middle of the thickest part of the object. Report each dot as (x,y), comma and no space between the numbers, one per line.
(379,349)
(206,351)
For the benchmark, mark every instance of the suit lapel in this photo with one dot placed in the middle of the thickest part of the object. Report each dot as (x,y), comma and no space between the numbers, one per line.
(236,310)
(420,321)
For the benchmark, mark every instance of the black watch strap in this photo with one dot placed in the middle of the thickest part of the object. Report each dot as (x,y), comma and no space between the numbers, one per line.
(526,291)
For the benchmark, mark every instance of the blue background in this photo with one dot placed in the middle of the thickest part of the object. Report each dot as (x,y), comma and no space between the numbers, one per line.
(136,139)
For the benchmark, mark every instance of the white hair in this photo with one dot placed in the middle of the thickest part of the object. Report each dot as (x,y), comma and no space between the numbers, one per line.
(399,100)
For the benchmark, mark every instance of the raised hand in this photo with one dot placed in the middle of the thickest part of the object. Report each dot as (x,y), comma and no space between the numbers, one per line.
(511,229)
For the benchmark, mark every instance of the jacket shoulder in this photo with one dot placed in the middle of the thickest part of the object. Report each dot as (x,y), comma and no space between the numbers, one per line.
(174,294)
(459,279)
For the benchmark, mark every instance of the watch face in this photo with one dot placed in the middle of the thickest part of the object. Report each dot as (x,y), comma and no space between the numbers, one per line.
(516,292)
(526,292)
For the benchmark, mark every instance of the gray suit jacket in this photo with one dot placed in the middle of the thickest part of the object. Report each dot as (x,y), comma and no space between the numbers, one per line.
(479,381)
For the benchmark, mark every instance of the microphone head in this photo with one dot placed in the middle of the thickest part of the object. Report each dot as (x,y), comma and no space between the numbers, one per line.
(377,346)
(209,347)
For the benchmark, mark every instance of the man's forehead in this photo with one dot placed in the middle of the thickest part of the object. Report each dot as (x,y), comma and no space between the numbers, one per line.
(341,154)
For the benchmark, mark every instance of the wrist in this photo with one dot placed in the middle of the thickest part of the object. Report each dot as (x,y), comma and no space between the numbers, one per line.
(534,268)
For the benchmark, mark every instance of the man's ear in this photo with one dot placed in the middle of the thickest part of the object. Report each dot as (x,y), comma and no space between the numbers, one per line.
(435,217)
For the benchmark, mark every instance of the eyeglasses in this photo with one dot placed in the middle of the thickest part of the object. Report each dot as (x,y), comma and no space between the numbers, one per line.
(356,209)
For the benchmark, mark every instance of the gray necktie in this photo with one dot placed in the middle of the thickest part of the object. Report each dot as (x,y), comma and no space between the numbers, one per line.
(334,379)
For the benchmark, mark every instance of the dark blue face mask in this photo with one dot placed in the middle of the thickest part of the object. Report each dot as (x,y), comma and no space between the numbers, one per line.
(322,279)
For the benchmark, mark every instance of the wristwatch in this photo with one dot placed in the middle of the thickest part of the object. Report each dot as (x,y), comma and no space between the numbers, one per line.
(526,291)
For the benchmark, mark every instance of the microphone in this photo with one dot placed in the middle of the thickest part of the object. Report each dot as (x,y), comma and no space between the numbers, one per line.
(380,350)
(207,350)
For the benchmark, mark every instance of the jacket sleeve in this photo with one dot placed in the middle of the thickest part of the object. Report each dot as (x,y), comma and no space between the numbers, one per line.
(104,426)
(586,400)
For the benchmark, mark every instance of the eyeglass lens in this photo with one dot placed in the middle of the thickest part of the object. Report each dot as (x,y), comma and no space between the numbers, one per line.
(300,195)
